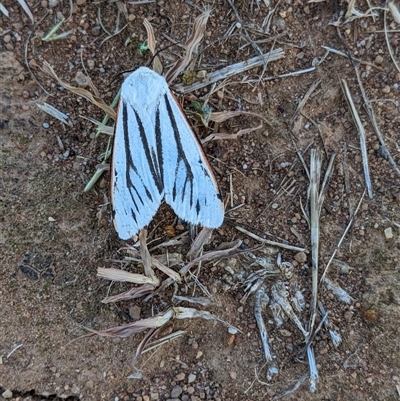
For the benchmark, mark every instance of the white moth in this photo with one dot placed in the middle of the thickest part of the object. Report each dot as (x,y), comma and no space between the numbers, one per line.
(156,155)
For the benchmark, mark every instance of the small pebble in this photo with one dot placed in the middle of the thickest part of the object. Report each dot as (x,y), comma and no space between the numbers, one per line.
(81,79)
(9,46)
(7,394)
(233,375)
(134,312)
(378,60)
(32,63)
(96,31)
(199,354)
(202,74)
(289,347)
(301,257)
(154,396)
(46,125)
(232,330)
(190,390)
(388,233)
(191,378)
(176,391)
(44,4)
(7,38)
(25,94)
(386,89)
(179,377)
(348,315)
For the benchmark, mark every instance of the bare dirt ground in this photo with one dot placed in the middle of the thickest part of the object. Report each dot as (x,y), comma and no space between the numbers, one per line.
(53,242)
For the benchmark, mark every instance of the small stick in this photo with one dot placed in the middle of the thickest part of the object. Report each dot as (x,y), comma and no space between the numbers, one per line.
(231,70)
(387,39)
(273,243)
(361,133)
(338,52)
(261,299)
(14,349)
(342,238)
(291,390)
(305,99)
(313,369)
(371,115)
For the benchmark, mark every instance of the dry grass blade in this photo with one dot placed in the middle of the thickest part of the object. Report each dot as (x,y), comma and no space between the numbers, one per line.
(338,291)
(273,243)
(305,99)
(154,262)
(132,328)
(231,70)
(371,115)
(27,10)
(191,46)
(343,237)
(218,136)
(313,369)
(315,176)
(396,16)
(338,52)
(350,7)
(151,44)
(3,10)
(52,111)
(163,340)
(203,301)
(325,183)
(80,91)
(394,11)
(361,133)
(220,117)
(133,293)
(301,380)
(202,239)
(140,348)
(165,269)
(121,275)
(145,255)
(191,313)
(226,253)
(261,300)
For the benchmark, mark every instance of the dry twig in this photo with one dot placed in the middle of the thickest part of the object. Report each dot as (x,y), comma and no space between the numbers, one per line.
(361,133)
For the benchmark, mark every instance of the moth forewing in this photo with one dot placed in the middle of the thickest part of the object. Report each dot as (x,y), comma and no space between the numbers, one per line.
(156,154)
(190,188)
(135,194)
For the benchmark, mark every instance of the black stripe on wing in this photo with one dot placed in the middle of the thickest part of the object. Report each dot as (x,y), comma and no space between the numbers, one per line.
(151,161)
(181,157)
